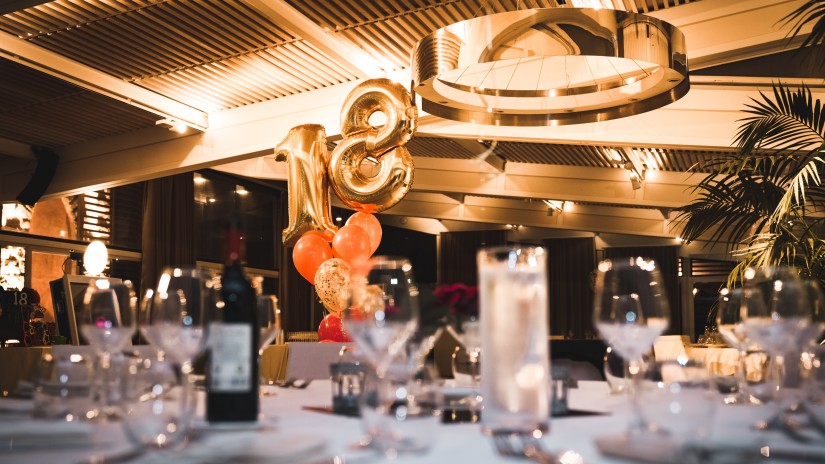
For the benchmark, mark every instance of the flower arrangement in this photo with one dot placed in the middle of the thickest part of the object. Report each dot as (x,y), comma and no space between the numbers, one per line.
(460,298)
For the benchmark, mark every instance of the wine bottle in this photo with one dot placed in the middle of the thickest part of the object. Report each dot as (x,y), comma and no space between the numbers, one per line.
(232,369)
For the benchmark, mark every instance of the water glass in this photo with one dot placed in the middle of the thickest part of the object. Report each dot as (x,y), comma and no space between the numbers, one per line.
(630,310)
(382,314)
(269,319)
(63,387)
(515,367)
(107,322)
(615,372)
(158,408)
(677,398)
(401,416)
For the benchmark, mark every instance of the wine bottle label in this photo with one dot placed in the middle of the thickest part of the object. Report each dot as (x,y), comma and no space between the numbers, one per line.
(231,364)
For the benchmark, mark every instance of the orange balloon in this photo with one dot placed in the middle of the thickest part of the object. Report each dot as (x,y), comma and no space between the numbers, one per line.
(351,243)
(371,226)
(325,234)
(310,251)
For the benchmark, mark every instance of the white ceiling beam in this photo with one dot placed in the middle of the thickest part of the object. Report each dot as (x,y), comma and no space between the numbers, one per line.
(494,212)
(21,51)
(343,52)
(722,31)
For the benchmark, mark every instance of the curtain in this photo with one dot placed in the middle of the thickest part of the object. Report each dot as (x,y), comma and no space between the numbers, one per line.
(457,258)
(300,310)
(667,257)
(570,263)
(168,233)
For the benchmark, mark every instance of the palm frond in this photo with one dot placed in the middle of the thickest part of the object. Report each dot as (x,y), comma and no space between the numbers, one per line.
(812,11)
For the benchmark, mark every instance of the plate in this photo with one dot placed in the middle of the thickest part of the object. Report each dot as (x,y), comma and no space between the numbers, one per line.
(265,447)
(206,426)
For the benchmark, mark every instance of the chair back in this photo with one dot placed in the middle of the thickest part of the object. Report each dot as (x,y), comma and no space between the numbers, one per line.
(310,360)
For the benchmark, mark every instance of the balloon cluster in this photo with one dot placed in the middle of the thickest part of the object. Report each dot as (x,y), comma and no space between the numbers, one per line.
(370,170)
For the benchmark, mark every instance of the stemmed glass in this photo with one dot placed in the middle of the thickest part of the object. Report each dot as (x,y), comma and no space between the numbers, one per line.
(381,318)
(776,311)
(174,317)
(269,321)
(383,310)
(732,329)
(176,313)
(630,312)
(107,322)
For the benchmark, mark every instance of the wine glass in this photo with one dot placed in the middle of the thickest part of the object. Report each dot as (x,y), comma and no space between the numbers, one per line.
(269,321)
(176,312)
(175,315)
(630,312)
(381,317)
(383,310)
(732,329)
(107,322)
(776,311)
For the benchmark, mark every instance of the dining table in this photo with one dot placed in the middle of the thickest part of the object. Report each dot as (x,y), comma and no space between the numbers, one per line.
(296,425)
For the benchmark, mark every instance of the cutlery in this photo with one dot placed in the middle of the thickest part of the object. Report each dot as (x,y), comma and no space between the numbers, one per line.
(294,383)
(522,445)
(789,428)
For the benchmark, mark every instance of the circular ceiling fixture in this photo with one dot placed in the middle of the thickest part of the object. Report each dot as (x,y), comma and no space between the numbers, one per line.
(550,66)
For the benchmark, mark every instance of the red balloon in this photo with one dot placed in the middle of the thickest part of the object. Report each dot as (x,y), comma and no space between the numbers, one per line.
(310,251)
(351,244)
(332,330)
(371,226)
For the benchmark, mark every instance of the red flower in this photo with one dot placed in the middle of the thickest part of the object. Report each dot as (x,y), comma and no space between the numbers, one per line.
(462,299)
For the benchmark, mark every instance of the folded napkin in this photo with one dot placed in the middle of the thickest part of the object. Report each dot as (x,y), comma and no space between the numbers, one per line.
(661,449)
(29,434)
(246,448)
(16,406)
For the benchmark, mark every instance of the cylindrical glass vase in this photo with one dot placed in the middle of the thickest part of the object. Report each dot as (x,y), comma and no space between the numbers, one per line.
(515,367)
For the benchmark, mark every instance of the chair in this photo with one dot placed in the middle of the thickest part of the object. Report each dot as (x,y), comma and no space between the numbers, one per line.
(443,350)
(307,336)
(578,370)
(273,362)
(310,360)
(670,347)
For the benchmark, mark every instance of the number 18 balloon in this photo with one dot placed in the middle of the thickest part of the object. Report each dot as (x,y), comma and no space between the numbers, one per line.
(305,150)
(370,170)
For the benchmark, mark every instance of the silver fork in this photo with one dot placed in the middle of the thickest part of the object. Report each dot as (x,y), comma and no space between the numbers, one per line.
(522,445)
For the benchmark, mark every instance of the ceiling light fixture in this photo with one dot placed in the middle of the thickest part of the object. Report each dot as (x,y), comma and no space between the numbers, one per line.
(555,206)
(636,177)
(550,66)
(173,125)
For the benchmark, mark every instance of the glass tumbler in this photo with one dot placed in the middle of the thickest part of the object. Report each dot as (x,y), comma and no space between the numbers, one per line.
(401,416)
(515,367)
(158,408)
(677,398)
(63,387)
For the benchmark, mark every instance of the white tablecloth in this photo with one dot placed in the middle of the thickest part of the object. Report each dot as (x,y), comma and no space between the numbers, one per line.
(287,423)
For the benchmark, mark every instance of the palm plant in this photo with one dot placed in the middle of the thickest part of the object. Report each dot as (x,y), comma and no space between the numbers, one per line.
(766,199)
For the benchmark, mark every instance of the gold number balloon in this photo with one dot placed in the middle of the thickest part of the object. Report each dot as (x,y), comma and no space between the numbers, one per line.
(371,169)
(305,150)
